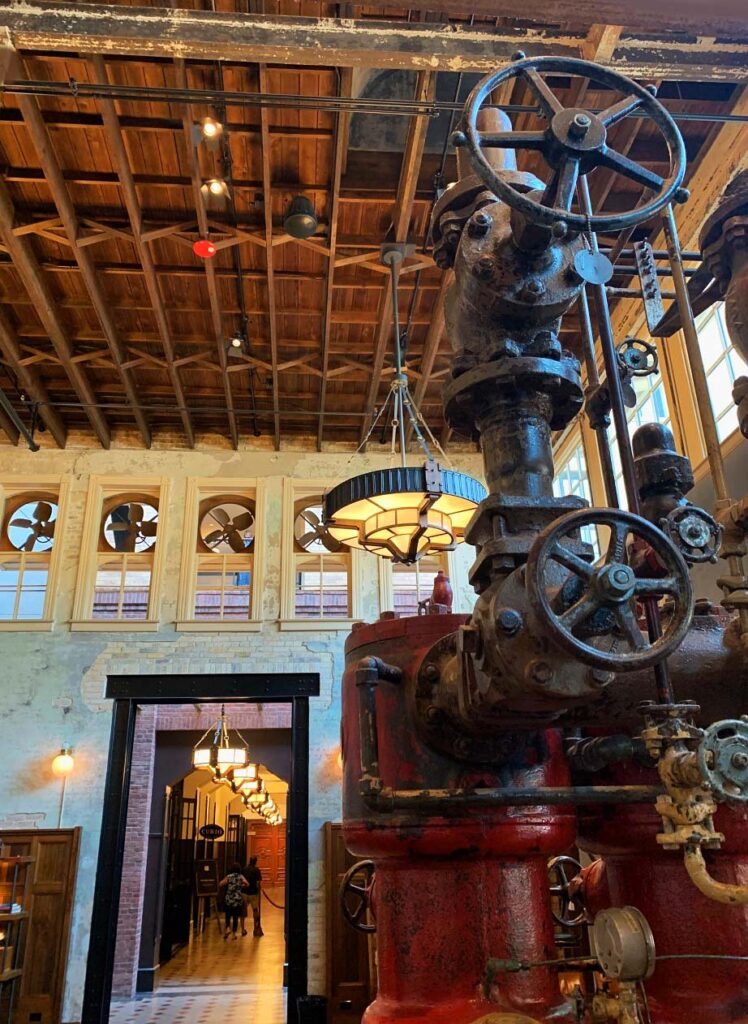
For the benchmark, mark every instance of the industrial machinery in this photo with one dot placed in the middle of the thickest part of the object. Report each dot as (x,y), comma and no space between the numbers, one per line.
(589,707)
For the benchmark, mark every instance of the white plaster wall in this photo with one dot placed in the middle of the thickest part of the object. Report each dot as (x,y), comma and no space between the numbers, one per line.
(46,673)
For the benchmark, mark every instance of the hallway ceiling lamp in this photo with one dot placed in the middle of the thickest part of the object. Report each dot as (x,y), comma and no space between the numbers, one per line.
(406,512)
(225,750)
(300,220)
(246,780)
(257,799)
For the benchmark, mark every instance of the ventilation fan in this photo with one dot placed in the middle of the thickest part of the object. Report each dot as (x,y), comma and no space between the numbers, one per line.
(41,526)
(316,531)
(233,531)
(132,531)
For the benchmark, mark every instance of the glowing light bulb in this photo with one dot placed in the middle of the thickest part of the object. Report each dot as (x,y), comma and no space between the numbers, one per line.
(64,763)
(216,187)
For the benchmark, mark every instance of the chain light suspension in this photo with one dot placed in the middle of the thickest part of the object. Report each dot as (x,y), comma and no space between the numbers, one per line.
(226,751)
(406,512)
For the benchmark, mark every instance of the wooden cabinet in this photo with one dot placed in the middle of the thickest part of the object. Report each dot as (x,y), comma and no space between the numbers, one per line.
(49,903)
(15,874)
(350,954)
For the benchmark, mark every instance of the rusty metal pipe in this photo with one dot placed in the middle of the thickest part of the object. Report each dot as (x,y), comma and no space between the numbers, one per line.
(369,672)
(492,121)
(436,801)
(720,892)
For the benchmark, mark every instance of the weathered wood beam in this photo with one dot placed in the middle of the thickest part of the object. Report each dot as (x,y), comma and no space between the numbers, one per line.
(30,381)
(414,147)
(267,178)
(42,143)
(25,262)
(216,316)
(338,159)
(121,164)
(697,54)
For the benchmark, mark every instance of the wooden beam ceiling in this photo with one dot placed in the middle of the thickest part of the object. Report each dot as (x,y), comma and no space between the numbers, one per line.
(715,47)
(28,379)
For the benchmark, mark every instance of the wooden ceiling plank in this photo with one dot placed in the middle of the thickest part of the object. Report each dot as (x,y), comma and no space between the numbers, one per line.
(713,45)
(216,315)
(42,143)
(32,277)
(30,381)
(267,182)
(401,222)
(9,428)
(338,160)
(121,165)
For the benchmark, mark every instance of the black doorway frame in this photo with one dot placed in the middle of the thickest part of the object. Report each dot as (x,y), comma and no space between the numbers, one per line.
(129,691)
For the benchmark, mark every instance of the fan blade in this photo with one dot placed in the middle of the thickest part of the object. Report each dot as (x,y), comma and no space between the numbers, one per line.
(236,541)
(43,511)
(310,517)
(214,538)
(243,521)
(148,528)
(308,538)
(28,544)
(135,512)
(220,515)
(25,524)
(116,527)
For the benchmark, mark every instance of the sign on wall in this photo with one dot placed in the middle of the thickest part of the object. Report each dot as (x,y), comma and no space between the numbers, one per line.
(211,831)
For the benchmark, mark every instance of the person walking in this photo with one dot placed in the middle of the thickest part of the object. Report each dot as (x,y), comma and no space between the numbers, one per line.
(235,885)
(253,877)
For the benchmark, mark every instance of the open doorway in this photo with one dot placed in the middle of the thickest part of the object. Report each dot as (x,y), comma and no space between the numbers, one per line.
(199,964)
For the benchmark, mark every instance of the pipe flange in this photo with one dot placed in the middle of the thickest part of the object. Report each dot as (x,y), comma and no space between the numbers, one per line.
(723,758)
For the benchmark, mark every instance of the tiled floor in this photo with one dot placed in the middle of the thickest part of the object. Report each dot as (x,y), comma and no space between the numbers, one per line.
(241,981)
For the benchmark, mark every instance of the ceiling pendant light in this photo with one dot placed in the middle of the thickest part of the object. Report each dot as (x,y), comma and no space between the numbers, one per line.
(226,750)
(300,220)
(406,512)
(246,780)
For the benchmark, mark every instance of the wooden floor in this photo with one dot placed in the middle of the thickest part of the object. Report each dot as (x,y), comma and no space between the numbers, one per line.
(245,975)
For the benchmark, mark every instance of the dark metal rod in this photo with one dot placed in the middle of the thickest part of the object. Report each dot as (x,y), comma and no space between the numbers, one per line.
(17,422)
(663,684)
(634,293)
(593,379)
(214,96)
(388,800)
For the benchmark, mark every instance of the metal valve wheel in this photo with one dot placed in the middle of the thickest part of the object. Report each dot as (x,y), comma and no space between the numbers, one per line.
(355,897)
(574,143)
(609,590)
(723,758)
(561,872)
(695,532)
(637,357)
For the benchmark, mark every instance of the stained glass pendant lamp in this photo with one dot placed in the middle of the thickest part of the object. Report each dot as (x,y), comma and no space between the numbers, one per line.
(225,751)
(405,512)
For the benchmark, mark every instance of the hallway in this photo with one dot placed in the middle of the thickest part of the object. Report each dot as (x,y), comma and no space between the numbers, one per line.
(246,975)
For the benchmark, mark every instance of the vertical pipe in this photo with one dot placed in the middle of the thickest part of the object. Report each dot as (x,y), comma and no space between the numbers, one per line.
(664,686)
(593,381)
(701,387)
(298,859)
(395,258)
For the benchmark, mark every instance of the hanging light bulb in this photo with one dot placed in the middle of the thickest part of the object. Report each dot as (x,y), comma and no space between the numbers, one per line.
(411,511)
(215,189)
(222,753)
(63,763)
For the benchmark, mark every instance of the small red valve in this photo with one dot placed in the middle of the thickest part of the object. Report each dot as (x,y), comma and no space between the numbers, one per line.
(204,248)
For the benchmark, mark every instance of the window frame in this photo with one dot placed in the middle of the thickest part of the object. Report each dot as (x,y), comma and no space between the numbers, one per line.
(294,491)
(100,490)
(45,487)
(198,490)
(386,578)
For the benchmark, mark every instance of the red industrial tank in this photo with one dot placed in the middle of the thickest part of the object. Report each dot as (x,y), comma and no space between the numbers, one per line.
(451,892)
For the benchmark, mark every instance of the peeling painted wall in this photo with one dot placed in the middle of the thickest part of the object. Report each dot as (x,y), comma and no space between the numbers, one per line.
(54,682)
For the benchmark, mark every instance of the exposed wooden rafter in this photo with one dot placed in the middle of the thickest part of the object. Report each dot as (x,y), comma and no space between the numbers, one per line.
(210,273)
(401,223)
(72,231)
(25,262)
(132,205)
(338,159)
(206,35)
(267,178)
(29,381)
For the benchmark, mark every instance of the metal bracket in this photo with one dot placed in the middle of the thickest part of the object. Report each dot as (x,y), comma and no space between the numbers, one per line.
(651,294)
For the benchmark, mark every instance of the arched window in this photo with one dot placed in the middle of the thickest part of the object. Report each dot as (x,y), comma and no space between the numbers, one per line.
(225,549)
(322,566)
(125,552)
(26,546)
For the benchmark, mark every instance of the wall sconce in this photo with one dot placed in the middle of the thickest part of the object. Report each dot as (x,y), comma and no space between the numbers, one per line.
(215,190)
(62,766)
(209,131)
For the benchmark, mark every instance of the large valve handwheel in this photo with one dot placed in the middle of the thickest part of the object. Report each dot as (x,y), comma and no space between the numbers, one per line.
(574,143)
(355,896)
(571,911)
(609,589)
